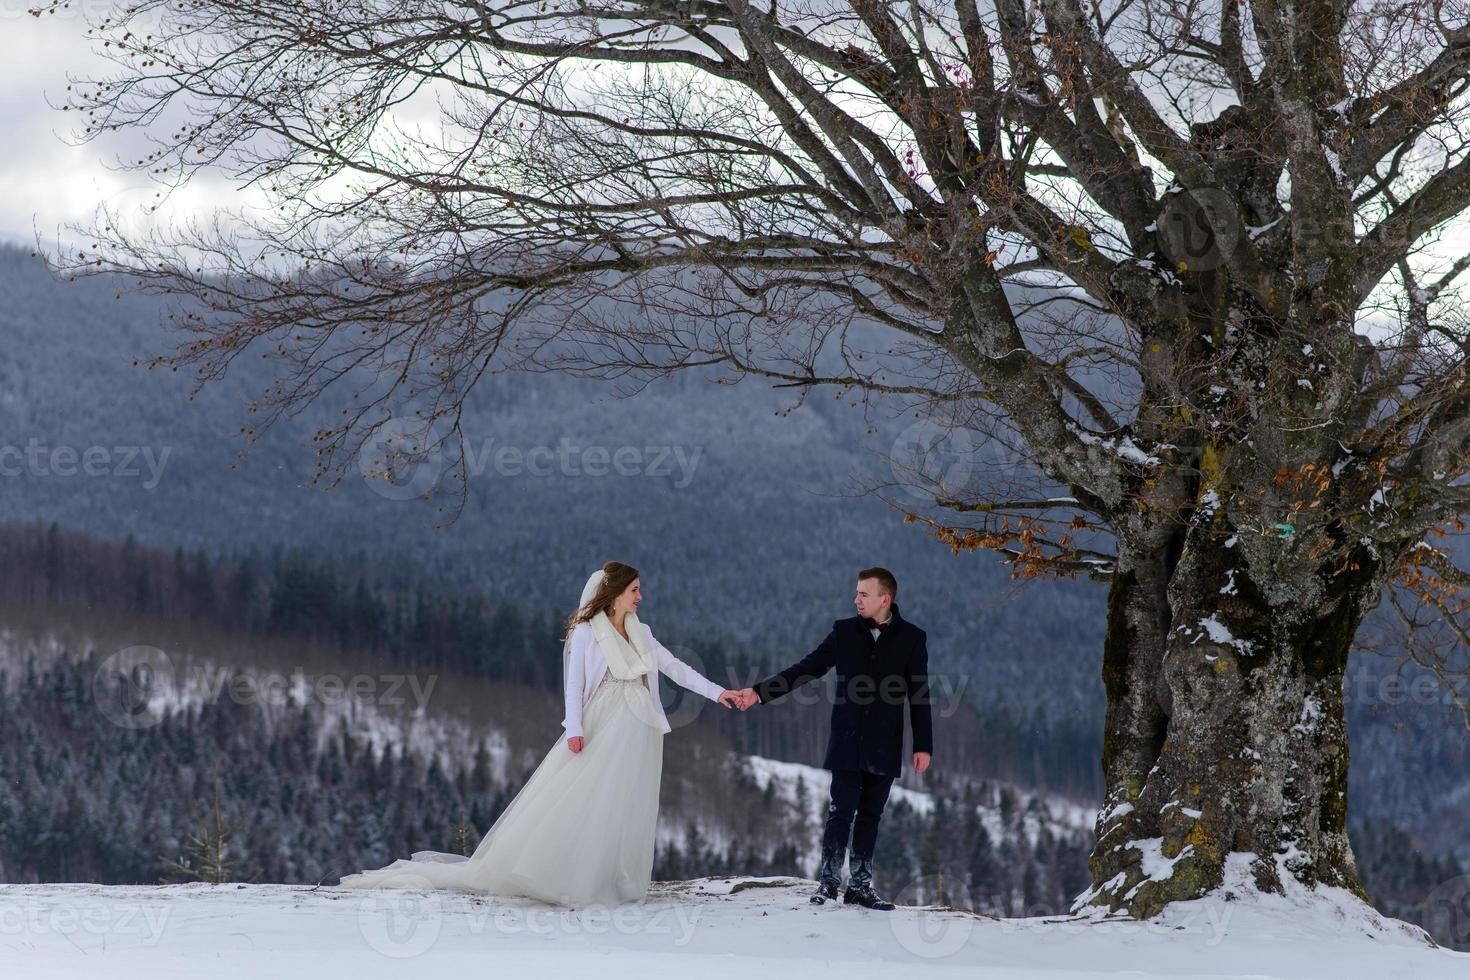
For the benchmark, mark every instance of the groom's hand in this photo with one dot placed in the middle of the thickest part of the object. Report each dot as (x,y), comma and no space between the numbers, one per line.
(748,697)
(921,761)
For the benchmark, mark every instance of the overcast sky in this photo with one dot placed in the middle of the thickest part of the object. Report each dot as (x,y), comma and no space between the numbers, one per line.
(46,184)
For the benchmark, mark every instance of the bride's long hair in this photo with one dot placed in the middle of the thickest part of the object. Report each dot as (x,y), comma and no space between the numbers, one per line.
(616,577)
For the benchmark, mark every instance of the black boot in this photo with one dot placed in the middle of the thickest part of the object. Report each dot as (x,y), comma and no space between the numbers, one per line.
(829,874)
(860,886)
(825,891)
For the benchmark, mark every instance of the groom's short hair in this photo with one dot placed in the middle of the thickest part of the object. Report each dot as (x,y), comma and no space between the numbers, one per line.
(885,578)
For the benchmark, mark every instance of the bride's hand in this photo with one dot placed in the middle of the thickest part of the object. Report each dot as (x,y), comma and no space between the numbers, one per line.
(575,744)
(730,699)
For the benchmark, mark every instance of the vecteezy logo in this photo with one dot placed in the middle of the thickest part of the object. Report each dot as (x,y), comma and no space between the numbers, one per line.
(1199,229)
(687,706)
(1445,913)
(134,687)
(401,459)
(934,922)
(401,923)
(932,461)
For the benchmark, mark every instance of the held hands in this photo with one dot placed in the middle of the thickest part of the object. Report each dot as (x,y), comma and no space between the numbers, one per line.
(739,699)
(746,697)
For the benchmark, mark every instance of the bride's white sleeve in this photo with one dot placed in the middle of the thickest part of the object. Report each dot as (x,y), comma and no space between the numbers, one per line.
(576,679)
(681,673)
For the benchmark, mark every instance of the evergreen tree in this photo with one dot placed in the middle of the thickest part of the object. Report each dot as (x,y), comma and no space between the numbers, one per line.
(209,856)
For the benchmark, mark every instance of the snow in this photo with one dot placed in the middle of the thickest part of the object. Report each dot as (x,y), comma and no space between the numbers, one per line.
(1335,163)
(1229,587)
(1311,713)
(1256,231)
(1156,867)
(390,716)
(1124,447)
(819,783)
(1220,633)
(717,928)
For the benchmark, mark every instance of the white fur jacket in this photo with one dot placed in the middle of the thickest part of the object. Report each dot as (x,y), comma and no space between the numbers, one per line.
(586,663)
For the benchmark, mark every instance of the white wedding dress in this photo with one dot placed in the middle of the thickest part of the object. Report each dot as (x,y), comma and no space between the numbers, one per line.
(580,832)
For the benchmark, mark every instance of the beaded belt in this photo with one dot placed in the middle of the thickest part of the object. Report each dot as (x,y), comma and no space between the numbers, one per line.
(640,679)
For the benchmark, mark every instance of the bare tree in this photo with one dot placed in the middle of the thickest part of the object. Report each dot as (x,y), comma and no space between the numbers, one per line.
(1175,248)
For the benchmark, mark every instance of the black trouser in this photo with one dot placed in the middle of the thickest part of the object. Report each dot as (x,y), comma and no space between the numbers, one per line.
(859,795)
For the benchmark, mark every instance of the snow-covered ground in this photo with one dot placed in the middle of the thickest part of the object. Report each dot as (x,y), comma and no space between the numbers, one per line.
(707,928)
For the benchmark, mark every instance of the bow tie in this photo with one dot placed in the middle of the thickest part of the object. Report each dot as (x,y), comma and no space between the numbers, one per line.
(880,627)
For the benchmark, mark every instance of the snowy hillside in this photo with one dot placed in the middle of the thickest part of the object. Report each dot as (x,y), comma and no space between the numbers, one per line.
(452,737)
(185,681)
(1057,814)
(711,928)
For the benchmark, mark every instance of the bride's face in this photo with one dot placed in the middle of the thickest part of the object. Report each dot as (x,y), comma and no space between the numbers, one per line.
(628,601)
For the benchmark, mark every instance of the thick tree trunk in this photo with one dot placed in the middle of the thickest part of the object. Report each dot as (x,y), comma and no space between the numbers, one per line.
(1133,655)
(1225,730)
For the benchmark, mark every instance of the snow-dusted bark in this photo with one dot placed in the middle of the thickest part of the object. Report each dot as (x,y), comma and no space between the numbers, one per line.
(1234,737)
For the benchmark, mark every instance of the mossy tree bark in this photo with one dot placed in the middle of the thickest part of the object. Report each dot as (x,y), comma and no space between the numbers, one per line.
(1227,736)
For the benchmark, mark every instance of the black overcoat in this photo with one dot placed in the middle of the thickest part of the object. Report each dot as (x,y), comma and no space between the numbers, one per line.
(875,679)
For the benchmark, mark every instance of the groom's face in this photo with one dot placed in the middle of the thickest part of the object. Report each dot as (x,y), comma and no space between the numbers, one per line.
(871,600)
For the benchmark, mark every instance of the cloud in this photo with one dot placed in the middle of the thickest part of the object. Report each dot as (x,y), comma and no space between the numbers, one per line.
(50,180)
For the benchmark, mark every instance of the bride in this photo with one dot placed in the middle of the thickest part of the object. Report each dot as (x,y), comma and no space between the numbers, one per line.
(581,831)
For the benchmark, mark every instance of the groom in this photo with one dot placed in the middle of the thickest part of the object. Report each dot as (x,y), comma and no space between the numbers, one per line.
(882,663)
